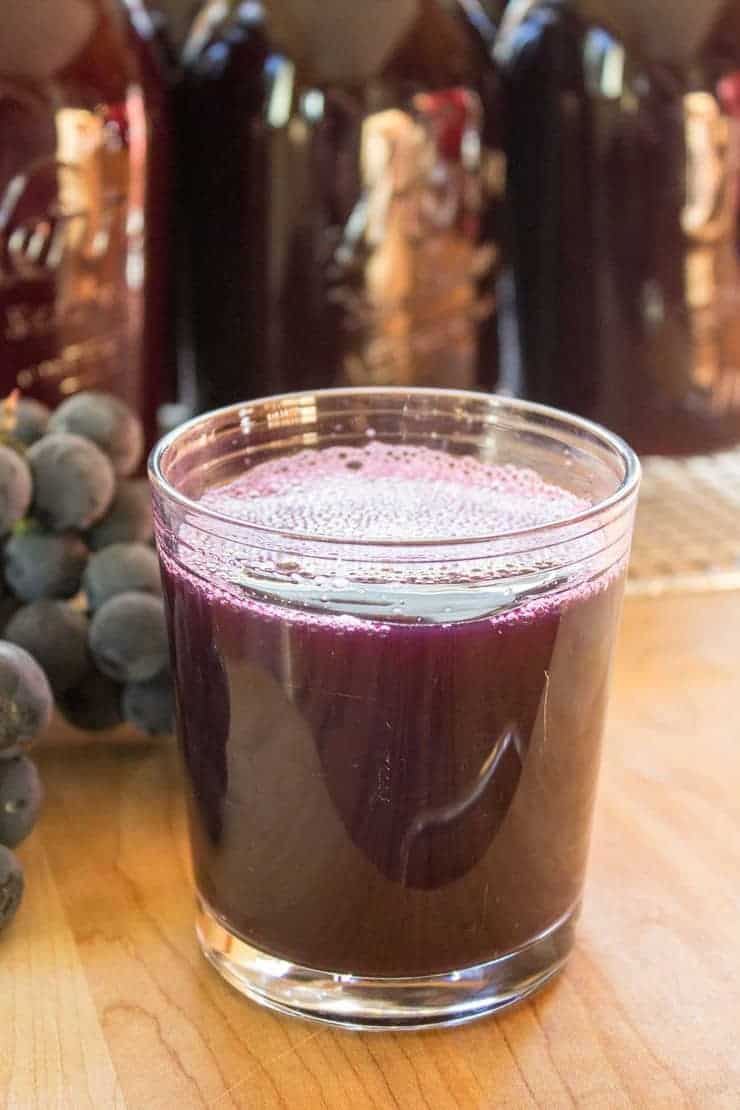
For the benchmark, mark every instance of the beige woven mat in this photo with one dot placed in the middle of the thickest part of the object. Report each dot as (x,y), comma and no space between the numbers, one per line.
(687,534)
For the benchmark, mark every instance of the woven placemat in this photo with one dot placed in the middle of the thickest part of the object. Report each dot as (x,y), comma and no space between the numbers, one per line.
(687,533)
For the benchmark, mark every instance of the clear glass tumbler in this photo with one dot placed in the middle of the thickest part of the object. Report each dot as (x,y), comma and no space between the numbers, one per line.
(392,614)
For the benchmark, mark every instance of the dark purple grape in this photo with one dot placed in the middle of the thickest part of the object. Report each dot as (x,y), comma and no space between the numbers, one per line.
(94,704)
(44,564)
(31,420)
(21,794)
(55,635)
(119,569)
(73,481)
(11,885)
(106,421)
(129,519)
(15,488)
(128,637)
(26,701)
(149,706)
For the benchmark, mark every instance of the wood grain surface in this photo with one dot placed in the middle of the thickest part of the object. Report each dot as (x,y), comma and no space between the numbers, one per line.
(106,1002)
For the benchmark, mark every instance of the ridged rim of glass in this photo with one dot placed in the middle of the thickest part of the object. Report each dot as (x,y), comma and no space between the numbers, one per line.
(622,494)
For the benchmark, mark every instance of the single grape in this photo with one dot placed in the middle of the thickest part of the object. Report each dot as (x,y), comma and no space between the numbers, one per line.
(43,564)
(119,569)
(26,701)
(149,706)
(55,635)
(11,885)
(129,519)
(94,704)
(108,422)
(128,637)
(31,420)
(15,488)
(21,794)
(73,481)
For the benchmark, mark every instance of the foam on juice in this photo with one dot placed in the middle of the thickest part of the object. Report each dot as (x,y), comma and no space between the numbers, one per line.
(381,492)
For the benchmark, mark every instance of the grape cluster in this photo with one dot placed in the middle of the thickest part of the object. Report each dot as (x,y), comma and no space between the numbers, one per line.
(81,612)
(81,589)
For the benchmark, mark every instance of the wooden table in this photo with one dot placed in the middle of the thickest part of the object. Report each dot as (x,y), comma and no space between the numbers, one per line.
(105,1001)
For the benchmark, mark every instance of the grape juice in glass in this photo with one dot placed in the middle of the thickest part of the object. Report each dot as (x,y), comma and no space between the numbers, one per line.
(391,614)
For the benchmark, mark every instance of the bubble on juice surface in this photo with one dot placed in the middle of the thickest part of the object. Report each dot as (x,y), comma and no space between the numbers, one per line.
(380,492)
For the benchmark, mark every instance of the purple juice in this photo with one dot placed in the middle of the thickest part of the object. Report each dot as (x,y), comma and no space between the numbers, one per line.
(385,779)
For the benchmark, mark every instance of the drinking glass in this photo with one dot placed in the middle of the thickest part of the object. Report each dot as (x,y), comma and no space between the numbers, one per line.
(390,737)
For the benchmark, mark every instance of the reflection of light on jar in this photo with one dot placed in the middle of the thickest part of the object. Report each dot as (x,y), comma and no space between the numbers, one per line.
(700,286)
(92,178)
(603,64)
(709,207)
(708,219)
(281,75)
(80,181)
(137,133)
(312,105)
(408,265)
(58,216)
(135,268)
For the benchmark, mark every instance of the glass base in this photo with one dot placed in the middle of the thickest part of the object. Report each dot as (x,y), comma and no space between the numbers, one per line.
(356,1002)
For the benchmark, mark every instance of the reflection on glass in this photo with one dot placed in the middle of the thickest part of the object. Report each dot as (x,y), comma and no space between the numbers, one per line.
(709,220)
(409,263)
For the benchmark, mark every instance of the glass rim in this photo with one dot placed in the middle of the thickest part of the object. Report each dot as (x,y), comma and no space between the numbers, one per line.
(625,490)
